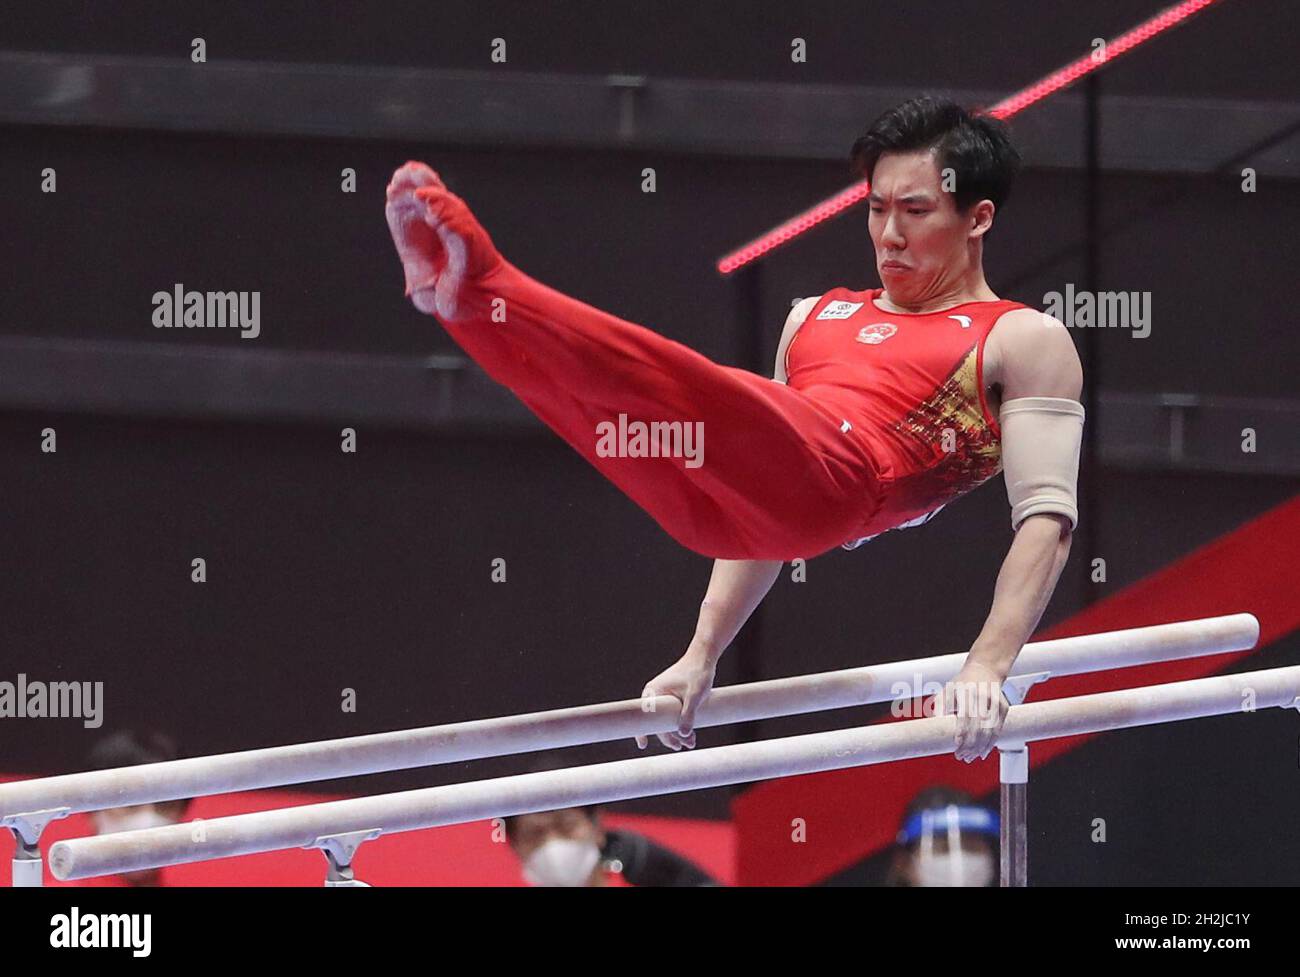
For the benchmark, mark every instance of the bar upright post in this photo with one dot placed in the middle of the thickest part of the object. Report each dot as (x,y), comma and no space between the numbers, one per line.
(1013,829)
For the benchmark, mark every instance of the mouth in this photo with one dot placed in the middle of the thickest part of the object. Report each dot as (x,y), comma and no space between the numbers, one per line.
(892,266)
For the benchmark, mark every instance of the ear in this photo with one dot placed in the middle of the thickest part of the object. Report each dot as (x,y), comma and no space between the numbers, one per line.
(981,218)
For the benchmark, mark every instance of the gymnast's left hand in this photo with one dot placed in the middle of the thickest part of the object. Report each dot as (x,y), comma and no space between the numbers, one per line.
(689,679)
(975,696)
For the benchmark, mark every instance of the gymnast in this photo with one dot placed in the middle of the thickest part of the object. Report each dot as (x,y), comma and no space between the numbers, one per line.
(887,404)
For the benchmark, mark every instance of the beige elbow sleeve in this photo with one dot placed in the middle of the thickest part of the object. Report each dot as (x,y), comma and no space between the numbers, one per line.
(1041,437)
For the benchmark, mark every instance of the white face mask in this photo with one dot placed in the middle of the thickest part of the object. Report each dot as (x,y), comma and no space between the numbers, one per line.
(955,868)
(562,862)
(108,822)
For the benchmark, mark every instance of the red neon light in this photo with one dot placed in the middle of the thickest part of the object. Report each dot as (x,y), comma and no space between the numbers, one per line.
(1005,109)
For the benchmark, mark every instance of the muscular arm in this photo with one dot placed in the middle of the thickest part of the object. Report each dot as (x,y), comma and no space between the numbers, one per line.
(1025,584)
(1036,359)
(735,588)
(738,586)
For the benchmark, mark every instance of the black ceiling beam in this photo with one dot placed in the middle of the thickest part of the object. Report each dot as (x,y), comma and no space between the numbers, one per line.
(704,117)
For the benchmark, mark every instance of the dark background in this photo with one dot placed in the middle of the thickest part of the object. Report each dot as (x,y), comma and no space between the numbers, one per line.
(372,571)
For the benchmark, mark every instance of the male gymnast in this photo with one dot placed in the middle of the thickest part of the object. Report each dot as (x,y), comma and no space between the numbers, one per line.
(888,404)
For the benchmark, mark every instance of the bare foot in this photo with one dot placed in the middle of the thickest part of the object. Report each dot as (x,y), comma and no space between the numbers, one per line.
(443,247)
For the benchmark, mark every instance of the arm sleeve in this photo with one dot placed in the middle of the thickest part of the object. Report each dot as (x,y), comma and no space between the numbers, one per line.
(1041,438)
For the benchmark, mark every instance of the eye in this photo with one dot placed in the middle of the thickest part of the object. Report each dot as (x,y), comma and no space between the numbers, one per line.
(915,210)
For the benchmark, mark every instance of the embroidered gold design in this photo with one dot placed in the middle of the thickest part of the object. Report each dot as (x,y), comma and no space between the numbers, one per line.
(976,454)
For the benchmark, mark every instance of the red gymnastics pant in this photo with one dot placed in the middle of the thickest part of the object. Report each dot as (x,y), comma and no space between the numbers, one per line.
(778,480)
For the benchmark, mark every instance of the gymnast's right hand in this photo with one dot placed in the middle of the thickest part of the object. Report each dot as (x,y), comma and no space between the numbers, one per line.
(690,680)
(443,247)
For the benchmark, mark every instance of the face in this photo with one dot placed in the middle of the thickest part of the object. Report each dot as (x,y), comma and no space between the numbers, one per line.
(531,831)
(974,849)
(134,819)
(923,243)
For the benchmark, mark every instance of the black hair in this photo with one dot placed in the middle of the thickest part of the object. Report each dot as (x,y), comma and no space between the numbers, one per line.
(131,747)
(544,763)
(977,148)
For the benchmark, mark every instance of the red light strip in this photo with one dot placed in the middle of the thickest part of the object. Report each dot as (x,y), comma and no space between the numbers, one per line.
(1089,63)
(1005,109)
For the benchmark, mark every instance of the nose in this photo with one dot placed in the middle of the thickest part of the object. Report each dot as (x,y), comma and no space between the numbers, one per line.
(890,238)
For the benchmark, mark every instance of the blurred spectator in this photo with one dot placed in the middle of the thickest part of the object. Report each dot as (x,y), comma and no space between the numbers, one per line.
(127,749)
(570,847)
(946,839)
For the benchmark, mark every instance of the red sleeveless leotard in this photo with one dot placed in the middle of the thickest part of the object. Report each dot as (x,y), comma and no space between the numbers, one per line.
(912,388)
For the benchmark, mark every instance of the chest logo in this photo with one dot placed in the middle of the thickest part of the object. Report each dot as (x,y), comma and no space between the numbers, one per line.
(876,333)
(839,310)
(963,319)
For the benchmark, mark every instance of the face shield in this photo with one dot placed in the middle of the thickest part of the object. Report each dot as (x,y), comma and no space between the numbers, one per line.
(940,857)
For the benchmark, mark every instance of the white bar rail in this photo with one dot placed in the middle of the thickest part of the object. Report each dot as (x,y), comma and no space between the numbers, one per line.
(404,749)
(365,817)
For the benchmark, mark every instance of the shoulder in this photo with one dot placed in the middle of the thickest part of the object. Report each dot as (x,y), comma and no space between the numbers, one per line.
(801,309)
(1034,355)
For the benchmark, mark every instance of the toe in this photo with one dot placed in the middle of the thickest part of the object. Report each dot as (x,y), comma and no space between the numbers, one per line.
(411,176)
